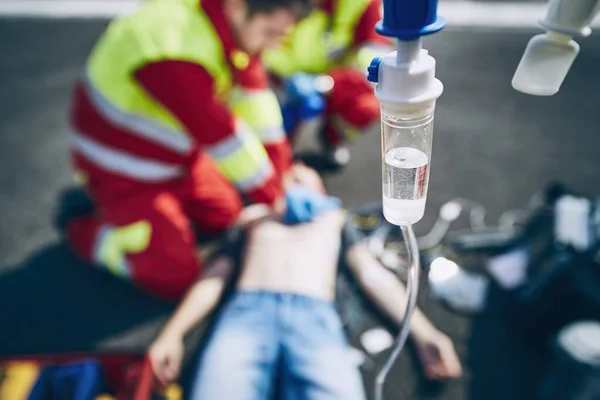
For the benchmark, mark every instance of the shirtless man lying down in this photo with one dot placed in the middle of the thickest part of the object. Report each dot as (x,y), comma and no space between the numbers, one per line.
(282,316)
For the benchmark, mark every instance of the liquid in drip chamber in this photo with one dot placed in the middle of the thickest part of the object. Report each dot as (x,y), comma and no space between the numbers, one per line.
(405,180)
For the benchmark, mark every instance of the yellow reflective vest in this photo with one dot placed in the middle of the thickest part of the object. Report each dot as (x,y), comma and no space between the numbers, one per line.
(317,42)
(176,30)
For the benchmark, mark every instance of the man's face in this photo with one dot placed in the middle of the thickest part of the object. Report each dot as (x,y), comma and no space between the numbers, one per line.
(260,31)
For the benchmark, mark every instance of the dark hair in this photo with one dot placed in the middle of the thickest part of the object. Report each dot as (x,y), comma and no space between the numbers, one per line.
(300,8)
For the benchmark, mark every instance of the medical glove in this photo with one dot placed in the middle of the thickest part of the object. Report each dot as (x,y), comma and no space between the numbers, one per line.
(303,205)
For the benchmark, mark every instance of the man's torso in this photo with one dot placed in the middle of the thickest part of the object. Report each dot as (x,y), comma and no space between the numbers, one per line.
(302,259)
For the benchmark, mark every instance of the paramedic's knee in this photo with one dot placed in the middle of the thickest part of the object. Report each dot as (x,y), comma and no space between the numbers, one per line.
(165,275)
(165,264)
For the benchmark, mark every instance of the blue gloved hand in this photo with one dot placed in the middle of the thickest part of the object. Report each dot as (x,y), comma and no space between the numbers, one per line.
(304,93)
(303,205)
(301,86)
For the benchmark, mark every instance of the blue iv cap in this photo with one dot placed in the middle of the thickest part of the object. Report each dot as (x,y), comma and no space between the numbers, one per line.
(409,19)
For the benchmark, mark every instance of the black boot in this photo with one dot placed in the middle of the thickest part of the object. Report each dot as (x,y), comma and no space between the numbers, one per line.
(73,203)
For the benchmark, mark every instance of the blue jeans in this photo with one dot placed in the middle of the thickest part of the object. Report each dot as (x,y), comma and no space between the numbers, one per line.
(260,335)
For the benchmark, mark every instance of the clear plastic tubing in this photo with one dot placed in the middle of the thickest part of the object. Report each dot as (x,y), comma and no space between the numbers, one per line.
(406,150)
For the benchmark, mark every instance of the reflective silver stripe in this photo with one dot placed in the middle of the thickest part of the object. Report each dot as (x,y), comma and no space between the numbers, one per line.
(256,179)
(138,125)
(124,164)
(231,144)
(271,135)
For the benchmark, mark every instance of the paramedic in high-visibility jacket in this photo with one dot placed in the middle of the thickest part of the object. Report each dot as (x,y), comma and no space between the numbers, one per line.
(173,128)
(338,40)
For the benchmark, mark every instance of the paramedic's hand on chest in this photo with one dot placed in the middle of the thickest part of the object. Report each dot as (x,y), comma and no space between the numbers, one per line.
(299,259)
(305,198)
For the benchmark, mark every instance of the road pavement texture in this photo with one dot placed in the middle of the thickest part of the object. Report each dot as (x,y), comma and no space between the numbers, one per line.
(491,144)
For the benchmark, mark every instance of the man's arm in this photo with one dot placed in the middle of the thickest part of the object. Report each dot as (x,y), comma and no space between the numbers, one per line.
(187,90)
(166,353)
(202,298)
(382,286)
(435,349)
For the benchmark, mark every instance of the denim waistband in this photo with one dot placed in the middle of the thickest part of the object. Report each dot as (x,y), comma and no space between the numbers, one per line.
(247,296)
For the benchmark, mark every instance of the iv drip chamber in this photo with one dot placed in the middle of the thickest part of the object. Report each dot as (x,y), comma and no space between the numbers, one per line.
(406,150)
(407,90)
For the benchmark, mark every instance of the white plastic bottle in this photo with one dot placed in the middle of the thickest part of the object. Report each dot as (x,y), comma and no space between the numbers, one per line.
(549,57)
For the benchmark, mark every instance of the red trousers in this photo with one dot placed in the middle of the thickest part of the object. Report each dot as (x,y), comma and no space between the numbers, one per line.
(143,231)
(351,105)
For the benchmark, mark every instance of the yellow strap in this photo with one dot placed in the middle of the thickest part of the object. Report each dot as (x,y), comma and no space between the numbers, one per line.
(18,380)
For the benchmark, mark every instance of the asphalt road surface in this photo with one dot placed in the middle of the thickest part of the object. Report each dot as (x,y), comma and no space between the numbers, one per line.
(491,144)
